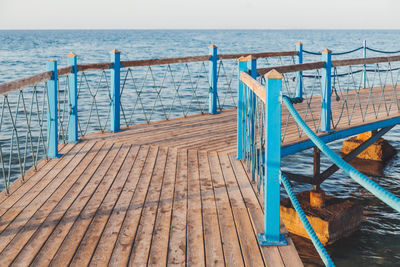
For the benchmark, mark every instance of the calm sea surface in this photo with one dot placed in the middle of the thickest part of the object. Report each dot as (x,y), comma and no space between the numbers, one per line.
(24,53)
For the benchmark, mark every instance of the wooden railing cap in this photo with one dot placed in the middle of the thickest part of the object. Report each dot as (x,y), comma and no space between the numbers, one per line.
(326,50)
(115,51)
(273,74)
(299,43)
(71,54)
(242,59)
(212,46)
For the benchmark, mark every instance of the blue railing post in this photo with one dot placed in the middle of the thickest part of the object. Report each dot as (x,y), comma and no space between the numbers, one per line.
(271,186)
(326,86)
(213,78)
(73,98)
(252,65)
(115,90)
(299,74)
(365,66)
(242,66)
(52,111)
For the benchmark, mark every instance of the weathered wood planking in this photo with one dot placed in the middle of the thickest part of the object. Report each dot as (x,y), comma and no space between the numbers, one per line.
(164,193)
(137,205)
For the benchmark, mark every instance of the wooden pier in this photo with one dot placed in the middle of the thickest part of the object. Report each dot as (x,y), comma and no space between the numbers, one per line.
(171,192)
(165,193)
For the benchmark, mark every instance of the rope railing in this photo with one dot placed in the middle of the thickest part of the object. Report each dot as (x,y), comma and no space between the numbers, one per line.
(338,95)
(381,193)
(307,226)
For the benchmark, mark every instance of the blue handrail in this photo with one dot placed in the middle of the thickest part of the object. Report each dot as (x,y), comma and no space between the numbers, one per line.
(307,226)
(387,197)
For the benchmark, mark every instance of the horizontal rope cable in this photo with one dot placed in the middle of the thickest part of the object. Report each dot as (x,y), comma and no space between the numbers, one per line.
(347,52)
(353,72)
(335,54)
(312,53)
(307,226)
(382,51)
(387,197)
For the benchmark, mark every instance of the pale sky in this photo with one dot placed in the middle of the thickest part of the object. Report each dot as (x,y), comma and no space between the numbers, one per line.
(199,14)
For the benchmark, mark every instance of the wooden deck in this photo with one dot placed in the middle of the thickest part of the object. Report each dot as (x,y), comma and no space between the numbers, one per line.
(113,203)
(165,193)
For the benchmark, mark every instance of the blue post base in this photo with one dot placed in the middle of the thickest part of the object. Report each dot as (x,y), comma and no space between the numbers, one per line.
(265,241)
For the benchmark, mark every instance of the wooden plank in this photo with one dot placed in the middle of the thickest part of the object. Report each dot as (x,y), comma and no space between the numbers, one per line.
(159,245)
(14,237)
(254,85)
(43,231)
(72,240)
(212,236)
(252,253)
(141,246)
(164,61)
(37,177)
(289,254)
(170,138)
(33,199)
(94,66)
(123,246)
(362,61)
(177,241)
(89,242)
(195,241)
(170,132)
(230,241)
(271,254)
(96,171)
(32,173)
(109,236)
(24,82)
(173,123)
(259,55)
(293,68)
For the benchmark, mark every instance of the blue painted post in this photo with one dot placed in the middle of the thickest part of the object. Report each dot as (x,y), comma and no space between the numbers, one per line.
(242,62)
(271,187)
(52,112)
(213,78)
(115,90)
(73,99)
(365,66)
(299,74)
(326,85)
(252,65)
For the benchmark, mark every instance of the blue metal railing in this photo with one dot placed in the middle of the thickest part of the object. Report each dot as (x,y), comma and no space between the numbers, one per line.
(59,106)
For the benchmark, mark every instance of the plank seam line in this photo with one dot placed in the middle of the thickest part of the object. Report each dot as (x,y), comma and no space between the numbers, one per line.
(216,208)
(158,206)
(231,208)
(172,207)
(58,249)
(116,201)
(105,195)
(57,205)
(50,182)
(141,212)
(132,197)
